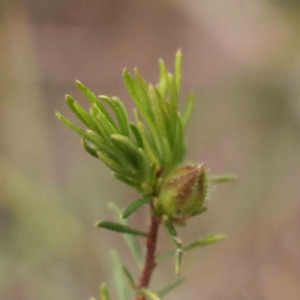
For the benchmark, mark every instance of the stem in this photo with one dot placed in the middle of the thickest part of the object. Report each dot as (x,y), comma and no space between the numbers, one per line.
(149,264)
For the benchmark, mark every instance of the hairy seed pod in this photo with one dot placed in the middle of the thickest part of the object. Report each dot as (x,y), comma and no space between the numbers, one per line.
(183,193)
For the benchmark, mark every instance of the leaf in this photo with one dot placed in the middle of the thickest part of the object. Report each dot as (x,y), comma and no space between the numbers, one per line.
(172,232)
(178,67)
(176,240)
(188,109)
(129,278)
(163,79)
(93,99)
(119,278)
(130,240)
(71,103)
(170,287)
(120,228)
(127,148)
(149,293)
(120,111)
(103,292)
(135,205)
(137,135)
(223,178)
(87,148)
(178,261)
(70,124)
(207,240)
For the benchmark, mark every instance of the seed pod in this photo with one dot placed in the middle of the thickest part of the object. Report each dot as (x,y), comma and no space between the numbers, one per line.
(183,193)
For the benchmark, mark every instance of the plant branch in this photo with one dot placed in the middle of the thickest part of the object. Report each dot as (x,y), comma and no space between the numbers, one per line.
(149,264)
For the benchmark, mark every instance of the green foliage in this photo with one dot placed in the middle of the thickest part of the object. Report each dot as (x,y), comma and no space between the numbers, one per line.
(146,154)
(136,151)
(119,228)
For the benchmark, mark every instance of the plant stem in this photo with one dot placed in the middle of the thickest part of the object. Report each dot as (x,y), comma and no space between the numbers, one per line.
(149,264)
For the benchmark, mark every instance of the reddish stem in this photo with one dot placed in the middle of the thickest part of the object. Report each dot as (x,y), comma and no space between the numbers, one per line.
(149,264)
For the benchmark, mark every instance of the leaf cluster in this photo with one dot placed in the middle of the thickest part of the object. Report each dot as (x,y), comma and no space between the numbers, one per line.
(136,151)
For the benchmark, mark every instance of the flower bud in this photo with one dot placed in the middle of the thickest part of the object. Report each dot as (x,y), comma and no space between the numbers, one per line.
(183,193)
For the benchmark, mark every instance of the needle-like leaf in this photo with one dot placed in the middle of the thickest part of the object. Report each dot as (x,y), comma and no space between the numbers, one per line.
(135,205)
(119,228)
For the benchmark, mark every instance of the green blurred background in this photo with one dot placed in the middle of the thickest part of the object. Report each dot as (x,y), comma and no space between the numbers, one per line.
(241,58)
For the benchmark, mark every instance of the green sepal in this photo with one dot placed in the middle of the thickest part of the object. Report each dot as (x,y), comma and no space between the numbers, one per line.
(223,178)
(104,292)
(163,292)
(119,278)
(135,205)
(149,293)
(119,228)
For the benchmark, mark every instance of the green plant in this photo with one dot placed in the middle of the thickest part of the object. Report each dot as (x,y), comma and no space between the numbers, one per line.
(147,155)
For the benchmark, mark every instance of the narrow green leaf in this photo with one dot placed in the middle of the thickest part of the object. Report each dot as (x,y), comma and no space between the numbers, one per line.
(135,205)
(178,66)
(71,125)
(162,293)
(104,292)
(88,149)
(149,293)
(166,255)
(207,240)
(127,148)
(104,122)
(172,232)
(120,111)
(223,178)
(178,261)
(71,103)
(129,278)
(93,99)
(163,80)
(120,228)
(188,109)
(130,182)
(137,135)
(119,278)
(147,144)
(109,162)
(130,240)
(178,243)
(173,91)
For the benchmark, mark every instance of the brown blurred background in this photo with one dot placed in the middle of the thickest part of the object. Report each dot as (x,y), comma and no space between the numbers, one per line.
(241,58)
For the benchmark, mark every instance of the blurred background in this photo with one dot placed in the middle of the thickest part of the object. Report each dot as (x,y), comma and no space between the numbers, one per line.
(242,60)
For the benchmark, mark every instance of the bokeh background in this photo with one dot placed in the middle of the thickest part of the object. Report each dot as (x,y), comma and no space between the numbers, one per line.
(241,58)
